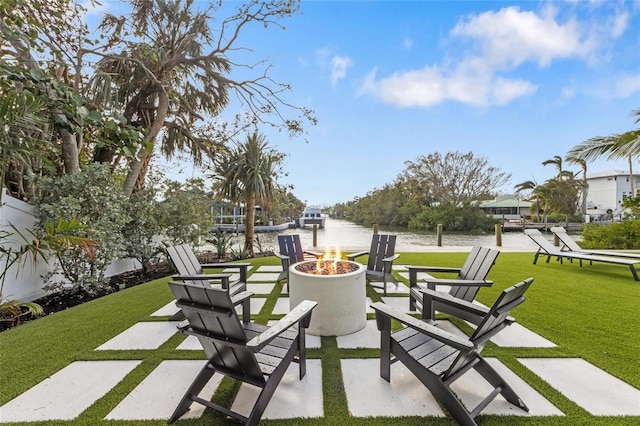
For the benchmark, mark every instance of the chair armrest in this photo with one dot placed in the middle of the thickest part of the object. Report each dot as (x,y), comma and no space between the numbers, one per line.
(243,298)
(352,256)
(225,265)
(391,258)
(243,267)
(238,298)
(447,299)
(422,327)
(432,282)
(432,269)
(281,256)
(413,272)
(200,277)
(205,277)
(297,315)
(462,283)
(313,253)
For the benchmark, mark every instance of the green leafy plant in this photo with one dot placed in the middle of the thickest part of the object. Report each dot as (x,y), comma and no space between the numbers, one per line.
(54,237)
(184,214)
(222,242)
(140,233)
(95,201)
(240,253)
(620,235)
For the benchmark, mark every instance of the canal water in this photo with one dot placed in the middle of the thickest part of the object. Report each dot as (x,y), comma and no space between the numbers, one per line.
(351,237)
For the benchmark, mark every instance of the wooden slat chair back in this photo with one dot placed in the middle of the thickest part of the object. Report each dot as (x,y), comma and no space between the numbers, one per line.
(382,247)
(438,358)
(190,269)
(249,352)
(470,279)
(380,261)
(476,267)
(291,252)
(496,319)
(186,262)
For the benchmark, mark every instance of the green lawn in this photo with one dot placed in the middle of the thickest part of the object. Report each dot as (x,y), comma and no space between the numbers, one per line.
(589,312)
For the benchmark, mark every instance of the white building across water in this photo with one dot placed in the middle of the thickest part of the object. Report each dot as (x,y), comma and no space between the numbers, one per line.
(606,192)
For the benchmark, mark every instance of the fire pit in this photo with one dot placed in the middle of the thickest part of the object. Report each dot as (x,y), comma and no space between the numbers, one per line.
(339,288)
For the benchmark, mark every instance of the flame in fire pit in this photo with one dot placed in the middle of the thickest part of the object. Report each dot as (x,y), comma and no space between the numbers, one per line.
(328,261)
(329,264)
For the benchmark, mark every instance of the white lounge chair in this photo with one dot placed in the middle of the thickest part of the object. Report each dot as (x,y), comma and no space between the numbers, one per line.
(570,244)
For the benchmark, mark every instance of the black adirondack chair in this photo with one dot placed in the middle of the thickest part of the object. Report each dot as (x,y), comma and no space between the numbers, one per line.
(291,252)
(471,278)
(249,352)
(190,269)
(381,258)
(438,358)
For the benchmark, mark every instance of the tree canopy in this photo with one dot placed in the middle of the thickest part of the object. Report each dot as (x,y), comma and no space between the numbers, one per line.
(159,76)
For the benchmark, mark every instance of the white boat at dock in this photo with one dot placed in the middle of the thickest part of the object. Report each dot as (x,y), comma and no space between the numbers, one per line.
(312,216)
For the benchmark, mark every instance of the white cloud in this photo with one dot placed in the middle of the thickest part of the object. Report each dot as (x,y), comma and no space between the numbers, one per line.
(431,86)
(339,66)
(504,91)
(509,37)
(495,45)
(619,25)
(407,43)
(626,85)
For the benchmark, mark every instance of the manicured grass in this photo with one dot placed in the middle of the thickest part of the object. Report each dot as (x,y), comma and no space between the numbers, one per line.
(589,312)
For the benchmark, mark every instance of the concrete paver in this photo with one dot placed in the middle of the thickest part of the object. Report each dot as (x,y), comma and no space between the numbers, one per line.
(294,398)
(153,398)
(67,393)
(595,390)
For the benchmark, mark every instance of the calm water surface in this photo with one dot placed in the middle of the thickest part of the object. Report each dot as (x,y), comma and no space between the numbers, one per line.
(349,237)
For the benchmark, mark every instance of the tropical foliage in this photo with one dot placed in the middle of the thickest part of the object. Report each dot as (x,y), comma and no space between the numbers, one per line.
(559,195)
(434,189)
(616,146)
(248,174)
(155,79)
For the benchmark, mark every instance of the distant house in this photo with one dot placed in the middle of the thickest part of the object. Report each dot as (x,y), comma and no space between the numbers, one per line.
(507,207)
(606,192)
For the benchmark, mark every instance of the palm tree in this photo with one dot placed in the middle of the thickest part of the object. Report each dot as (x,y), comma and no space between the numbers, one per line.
(556,161)
(536,192)
(247,173)
(176,74)
(617,146)
(585,184)
(22,115)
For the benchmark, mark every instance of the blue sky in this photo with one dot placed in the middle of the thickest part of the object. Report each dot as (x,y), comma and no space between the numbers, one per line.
(515,82)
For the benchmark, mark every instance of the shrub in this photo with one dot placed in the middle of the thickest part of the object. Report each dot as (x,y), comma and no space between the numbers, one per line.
(619,235)
(141,233)
(184,214)
(466,219)
(93,199)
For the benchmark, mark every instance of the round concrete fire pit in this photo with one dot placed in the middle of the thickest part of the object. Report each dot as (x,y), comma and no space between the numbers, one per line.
(341,297)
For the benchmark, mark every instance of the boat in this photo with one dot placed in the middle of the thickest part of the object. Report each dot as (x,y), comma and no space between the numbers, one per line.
(311,216)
